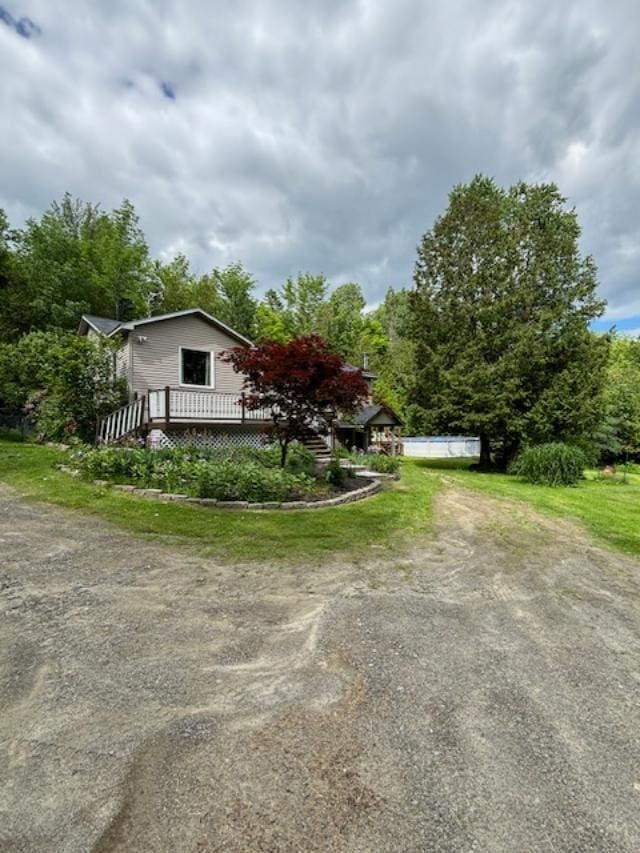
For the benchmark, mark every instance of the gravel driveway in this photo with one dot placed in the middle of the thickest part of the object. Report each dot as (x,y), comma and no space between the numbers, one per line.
(479,693)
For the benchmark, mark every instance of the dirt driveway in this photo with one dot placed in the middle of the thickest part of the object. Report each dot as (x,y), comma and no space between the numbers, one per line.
(480,694)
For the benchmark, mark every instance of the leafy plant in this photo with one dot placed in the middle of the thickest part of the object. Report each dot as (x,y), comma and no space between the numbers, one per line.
(374,461)
(248,481)
(552,464)
(383,464)
(238,473)
(63,382)
(335,474)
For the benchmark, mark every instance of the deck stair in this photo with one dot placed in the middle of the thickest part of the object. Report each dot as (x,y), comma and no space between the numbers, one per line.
(318,446)
(121,424)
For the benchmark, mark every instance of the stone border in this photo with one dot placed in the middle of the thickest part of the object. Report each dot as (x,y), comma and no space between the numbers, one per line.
(158,494)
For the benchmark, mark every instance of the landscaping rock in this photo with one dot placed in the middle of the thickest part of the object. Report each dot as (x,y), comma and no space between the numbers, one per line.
(328,502)
(347,497)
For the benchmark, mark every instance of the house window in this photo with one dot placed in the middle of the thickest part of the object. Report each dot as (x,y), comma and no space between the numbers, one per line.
(196,367)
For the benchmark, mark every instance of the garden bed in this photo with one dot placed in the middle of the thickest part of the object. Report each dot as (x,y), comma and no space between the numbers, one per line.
(357,491)
(235,478)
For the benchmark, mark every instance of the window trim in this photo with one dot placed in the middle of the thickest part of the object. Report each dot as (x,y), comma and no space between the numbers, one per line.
(212,367)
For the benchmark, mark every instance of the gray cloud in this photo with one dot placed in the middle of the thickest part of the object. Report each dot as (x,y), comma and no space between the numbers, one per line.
(324,136)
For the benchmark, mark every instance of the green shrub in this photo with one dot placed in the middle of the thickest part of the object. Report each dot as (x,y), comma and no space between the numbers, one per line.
(8,433)
(63,381)
(374,461)
(381,463)
(248,481)
(242,474)
(335,474)
(553,464)
(300,460)
(114,463)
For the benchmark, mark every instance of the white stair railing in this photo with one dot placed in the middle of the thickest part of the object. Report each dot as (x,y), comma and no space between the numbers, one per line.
(115,426)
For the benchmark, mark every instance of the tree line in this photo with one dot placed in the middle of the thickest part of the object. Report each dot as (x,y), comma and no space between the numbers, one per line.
(492,338)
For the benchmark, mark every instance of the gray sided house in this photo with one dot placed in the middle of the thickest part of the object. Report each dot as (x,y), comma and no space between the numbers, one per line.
(179,388)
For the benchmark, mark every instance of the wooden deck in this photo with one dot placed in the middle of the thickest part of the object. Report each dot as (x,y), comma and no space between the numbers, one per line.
(178,407)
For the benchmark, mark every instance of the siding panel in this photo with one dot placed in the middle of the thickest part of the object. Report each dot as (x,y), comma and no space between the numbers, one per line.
(122,361)
(156,361)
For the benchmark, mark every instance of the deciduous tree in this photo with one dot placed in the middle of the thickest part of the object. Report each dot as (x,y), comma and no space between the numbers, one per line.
(294,310)
(300,382)
(65,381)
(620,434)
(76,259)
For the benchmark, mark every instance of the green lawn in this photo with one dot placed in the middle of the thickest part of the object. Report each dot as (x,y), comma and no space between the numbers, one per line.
(380,525)
(383,522)
(609,509)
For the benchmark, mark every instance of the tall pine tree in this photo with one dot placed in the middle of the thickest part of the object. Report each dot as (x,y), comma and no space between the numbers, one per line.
(501,312)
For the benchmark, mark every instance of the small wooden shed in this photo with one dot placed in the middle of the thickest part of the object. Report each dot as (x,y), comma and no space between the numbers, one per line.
(375,425)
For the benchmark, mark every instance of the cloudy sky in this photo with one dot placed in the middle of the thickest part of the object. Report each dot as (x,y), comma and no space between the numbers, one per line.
(323,135)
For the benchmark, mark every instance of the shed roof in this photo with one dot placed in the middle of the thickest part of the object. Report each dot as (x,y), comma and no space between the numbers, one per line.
(367,413)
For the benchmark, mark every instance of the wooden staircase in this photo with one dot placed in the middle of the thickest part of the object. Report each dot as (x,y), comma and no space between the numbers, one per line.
(318,446)
(118,425)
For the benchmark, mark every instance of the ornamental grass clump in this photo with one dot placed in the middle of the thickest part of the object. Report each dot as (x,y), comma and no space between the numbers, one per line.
(552,464)
(381,463)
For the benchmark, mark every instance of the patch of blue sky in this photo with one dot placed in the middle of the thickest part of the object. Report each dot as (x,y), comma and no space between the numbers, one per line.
(168,90)
(24,26)
(627,324)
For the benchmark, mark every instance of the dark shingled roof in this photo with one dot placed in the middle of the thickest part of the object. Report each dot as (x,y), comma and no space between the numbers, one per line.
(102,324)
(367,413)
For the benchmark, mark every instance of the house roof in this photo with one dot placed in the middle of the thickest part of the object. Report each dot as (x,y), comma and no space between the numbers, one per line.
(111,327)
(102,325)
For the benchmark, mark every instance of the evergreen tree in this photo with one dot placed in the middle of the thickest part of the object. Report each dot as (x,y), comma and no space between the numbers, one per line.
(500,320)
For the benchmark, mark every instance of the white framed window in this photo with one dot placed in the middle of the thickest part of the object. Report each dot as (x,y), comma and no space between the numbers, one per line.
(197,368)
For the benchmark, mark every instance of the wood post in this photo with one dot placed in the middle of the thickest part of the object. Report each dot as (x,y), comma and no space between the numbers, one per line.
(167,405)
(242,403)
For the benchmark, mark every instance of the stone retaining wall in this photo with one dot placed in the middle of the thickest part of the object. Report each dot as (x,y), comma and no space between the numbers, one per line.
(158,494)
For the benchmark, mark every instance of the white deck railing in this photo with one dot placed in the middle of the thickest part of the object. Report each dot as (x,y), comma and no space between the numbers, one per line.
(118,424)
(176,404)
